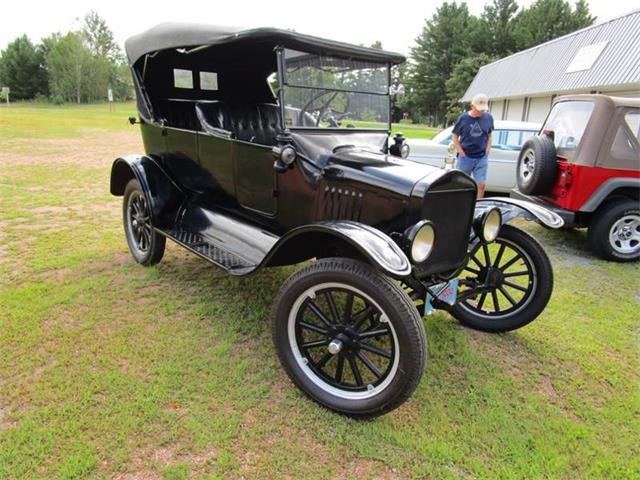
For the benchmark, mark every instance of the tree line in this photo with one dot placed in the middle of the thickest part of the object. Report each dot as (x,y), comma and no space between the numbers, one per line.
(454,44)
(76,67)
(80,65)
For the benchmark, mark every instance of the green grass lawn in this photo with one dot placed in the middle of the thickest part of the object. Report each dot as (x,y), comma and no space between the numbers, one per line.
(112,370)
(410,130)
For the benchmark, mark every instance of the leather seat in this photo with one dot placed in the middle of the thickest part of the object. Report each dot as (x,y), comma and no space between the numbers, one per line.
(256,123)
(179,114)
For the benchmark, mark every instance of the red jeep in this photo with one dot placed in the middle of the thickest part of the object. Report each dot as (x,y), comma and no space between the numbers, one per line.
(585,166)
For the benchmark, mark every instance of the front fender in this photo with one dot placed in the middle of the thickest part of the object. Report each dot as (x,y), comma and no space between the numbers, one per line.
(163,195)
(512,208)
(340,237)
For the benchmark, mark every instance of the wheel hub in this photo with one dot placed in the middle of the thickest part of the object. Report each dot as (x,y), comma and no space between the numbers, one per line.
(624,235)
(625,232)
(335,346)
(491,277)
(346,343)
(343,341)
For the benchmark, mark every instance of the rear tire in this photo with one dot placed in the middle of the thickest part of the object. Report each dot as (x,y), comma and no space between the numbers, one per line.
(614,231)
(536,170)
(145,244)
(362,364)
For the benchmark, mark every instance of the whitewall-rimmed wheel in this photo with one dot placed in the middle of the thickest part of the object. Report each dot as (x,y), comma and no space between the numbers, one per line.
(343,341)
(349,337)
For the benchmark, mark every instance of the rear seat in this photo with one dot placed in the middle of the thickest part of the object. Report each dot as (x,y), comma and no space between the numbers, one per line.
(257,123)
(178,114)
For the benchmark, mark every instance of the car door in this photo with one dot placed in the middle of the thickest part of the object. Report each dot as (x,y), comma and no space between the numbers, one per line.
(505,147)
(431,152)
(255,177)
(216,161)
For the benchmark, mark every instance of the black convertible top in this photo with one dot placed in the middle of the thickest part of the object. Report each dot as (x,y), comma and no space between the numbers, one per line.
(177,35)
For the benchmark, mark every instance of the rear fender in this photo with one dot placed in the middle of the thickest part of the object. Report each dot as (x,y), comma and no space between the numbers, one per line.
(163,195)
(514,208)
(340,238)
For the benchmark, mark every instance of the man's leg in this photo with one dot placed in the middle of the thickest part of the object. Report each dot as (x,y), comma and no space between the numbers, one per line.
(480,168)
(465,164)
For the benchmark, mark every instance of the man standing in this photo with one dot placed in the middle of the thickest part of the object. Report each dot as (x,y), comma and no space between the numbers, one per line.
(472,140)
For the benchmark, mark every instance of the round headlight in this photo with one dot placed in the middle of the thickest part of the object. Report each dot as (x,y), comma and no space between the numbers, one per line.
(404,150)
(491,222)
(422,237)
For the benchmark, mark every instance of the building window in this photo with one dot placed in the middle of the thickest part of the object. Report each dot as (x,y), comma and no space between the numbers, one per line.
(505,109)
(525,108)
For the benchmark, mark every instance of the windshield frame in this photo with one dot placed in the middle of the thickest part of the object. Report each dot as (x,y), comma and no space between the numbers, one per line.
(282,85)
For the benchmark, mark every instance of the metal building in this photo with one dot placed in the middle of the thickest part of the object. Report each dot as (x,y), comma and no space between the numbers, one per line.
(602,58)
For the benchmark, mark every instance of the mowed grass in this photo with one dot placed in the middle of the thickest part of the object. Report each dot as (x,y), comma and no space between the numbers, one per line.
(111,370)
(408,129)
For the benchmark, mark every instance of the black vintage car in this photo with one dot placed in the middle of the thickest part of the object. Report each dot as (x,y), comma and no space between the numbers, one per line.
(266,147)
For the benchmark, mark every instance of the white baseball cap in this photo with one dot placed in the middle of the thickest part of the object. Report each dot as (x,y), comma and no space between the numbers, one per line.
(481,102)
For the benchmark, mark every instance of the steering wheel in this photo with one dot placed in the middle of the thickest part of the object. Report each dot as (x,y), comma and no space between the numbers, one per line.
(325,112)
(332,116)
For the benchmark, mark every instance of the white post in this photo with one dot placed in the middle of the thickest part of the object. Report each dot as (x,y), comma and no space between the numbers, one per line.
(110,98)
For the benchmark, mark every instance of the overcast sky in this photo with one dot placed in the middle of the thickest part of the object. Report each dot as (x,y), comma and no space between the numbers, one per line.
(396,24)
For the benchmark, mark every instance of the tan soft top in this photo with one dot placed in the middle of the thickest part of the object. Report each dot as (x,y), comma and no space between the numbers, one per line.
(596,97)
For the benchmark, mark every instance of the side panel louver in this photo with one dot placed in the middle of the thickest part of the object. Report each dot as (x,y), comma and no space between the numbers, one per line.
(341,204)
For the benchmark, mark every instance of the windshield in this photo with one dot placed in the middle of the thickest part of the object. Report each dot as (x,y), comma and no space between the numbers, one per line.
(568,121)
(330,92)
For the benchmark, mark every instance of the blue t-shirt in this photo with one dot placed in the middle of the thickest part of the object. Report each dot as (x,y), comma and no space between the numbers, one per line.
(473,133)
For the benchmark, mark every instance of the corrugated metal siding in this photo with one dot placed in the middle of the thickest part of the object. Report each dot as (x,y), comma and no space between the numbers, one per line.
(541,69)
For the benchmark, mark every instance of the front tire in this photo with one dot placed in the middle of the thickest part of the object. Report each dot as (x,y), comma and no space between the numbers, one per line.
(349,337)
(145,244)
(513,280)
(614,232)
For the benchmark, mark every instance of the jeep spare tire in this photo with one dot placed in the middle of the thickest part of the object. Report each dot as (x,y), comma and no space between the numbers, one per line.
(536,171)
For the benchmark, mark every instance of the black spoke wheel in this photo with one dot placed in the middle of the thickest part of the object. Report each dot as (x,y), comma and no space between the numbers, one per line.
(344,338)
(145,244)
(349,337)
(506,284)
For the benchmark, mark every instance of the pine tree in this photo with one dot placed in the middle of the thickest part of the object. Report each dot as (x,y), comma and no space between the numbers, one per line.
(549,19)
(22,69)
(497,37)
(444,41)
(461,77)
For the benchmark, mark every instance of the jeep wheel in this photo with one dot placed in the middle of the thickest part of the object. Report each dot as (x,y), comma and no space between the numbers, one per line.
(536,166)
(145,244)
(349,337)
(508,283)
(614,232)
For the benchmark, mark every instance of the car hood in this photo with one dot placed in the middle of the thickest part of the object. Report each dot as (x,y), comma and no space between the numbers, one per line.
(383,171)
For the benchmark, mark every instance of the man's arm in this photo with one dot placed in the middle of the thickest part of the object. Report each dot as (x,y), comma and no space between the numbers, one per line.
(456,144)
(490,138)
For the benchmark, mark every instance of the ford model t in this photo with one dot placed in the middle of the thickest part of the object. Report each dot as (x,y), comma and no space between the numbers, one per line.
(267,147)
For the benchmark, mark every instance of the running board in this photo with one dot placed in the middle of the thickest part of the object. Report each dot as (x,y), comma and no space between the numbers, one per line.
(228,242)
(229,261)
